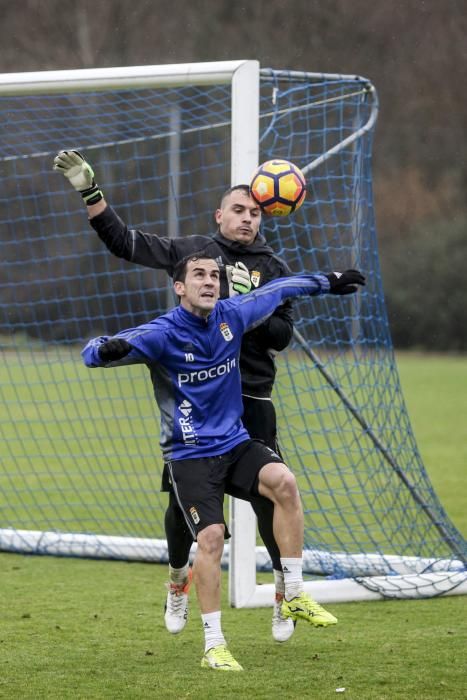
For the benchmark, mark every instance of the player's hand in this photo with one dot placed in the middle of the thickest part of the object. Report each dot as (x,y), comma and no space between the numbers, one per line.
(76,168)
(238,278)
(80,174)
(114,349)
(345,282)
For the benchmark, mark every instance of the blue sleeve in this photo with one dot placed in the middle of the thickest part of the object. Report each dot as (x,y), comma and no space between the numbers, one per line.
(254,308)
(147,343)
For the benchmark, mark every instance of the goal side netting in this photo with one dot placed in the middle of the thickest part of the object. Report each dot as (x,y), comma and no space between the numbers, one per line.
(80,463)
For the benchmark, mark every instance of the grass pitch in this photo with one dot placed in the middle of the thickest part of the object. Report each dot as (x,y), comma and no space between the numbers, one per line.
(87,630)
(80,629)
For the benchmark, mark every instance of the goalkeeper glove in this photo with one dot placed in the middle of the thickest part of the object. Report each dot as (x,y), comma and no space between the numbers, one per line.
(238,278)
(78,171)
(345,282)
(114,349)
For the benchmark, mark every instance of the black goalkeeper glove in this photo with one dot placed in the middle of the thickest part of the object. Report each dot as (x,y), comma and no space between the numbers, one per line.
(345,282)
(114,349)
(78,171)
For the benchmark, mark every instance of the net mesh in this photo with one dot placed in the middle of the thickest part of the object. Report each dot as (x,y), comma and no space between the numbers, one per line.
(80,449)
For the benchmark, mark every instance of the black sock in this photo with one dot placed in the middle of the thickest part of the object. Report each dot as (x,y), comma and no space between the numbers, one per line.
(264,511)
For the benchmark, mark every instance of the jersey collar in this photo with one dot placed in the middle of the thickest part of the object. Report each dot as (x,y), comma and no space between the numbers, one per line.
(186,317)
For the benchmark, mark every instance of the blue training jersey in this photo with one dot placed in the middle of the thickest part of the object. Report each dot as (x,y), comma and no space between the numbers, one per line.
(194,365)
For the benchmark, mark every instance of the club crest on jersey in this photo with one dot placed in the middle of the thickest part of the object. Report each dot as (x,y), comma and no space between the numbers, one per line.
(226,332)
(255,278)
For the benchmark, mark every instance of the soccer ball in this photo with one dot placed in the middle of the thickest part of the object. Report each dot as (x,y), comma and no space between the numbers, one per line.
(278,187)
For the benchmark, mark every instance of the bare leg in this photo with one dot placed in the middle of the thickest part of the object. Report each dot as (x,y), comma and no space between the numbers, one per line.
(277,483)
(207,568)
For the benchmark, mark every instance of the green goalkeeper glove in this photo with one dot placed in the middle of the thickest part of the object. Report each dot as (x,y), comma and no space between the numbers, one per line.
(238,278)
(78,171)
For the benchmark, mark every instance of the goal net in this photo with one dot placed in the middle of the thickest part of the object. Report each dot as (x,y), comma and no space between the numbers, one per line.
(81,466)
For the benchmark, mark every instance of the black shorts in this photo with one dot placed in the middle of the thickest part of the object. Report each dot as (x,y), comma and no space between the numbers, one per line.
(259,418)
(199,485)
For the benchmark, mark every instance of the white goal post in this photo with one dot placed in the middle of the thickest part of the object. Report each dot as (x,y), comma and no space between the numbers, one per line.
(363,574)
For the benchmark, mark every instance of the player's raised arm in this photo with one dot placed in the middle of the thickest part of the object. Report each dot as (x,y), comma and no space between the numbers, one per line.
(148,249)
(254,308)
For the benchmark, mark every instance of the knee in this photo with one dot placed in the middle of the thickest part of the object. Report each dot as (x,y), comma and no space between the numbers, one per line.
(286,489)
(211,541)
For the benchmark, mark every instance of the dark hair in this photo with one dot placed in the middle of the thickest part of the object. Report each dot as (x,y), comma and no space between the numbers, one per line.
(179,272)
(241,188)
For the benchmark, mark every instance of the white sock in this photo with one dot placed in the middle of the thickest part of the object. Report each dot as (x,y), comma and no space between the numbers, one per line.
(279,581)
(212,630)
(293,576)
(179,576)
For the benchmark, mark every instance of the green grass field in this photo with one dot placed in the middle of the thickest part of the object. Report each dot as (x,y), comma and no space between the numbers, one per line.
(437,404)
(89,630)
(94,629)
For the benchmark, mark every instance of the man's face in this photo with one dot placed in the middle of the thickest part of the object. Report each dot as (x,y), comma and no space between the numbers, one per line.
(239,217)
(200,290)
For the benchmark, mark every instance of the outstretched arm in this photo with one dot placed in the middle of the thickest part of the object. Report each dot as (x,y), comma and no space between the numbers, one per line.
(276,332)
(141,345)
(256,307)
(150,250)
